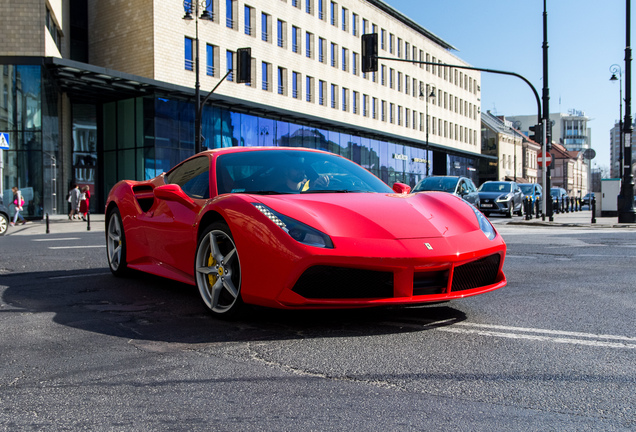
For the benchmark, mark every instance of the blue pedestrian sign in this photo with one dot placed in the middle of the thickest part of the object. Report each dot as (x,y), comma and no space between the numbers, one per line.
(4,140)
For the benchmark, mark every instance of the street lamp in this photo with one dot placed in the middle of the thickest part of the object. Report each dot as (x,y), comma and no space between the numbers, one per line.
(616,69)
(424,93)
(626,211)
(190,6)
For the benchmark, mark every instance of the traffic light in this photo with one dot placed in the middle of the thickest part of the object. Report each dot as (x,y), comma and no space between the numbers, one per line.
(370,52)
(244,65)
(536,133)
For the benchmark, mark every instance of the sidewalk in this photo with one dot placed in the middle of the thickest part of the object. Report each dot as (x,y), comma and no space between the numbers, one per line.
(574,219)
(58,224)
(61,224)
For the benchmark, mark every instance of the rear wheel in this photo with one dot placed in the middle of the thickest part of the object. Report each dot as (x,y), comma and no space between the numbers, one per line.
(218,270)
(116,244)
(509,211)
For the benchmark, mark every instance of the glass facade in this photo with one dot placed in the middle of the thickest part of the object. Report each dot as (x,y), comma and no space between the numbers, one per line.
(144,137)
(28,114)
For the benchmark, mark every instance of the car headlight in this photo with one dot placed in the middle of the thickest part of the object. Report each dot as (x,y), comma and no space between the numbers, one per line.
(484,224)
(297,230)
(504,198)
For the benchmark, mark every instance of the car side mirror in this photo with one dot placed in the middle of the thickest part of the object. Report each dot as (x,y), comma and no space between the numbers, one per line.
(401,188)
(174,193)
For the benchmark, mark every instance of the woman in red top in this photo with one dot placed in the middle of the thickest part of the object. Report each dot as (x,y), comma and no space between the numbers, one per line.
(85,200)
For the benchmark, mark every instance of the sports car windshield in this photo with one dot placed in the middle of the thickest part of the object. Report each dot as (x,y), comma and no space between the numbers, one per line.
(271,172)
(444,184)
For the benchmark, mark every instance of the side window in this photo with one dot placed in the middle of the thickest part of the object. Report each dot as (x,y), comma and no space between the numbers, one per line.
(193,177)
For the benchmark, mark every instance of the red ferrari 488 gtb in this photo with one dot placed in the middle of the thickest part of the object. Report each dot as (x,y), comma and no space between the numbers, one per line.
(299,228)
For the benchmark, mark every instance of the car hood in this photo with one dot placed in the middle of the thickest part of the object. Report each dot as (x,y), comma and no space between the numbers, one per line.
(377,215)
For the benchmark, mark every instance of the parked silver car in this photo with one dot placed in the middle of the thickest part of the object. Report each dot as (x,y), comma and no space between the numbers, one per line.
(501,197)
(461,186)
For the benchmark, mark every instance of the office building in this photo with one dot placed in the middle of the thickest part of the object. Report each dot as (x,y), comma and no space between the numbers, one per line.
(98,91)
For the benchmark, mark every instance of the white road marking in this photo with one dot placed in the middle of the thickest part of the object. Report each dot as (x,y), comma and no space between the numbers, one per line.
(76,247)
(543,335)
(56,239)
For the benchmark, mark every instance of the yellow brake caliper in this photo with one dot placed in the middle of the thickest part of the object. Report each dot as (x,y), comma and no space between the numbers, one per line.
(212,276)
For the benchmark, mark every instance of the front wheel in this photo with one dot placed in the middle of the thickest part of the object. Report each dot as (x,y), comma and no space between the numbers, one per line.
(4,224)
(218,270)
(116,244)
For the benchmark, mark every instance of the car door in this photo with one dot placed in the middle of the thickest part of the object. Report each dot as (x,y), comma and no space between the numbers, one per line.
(172,234)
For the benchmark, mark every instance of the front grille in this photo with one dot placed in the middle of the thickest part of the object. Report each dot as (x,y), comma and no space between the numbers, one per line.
(426,283)
(327,282)
(476,274)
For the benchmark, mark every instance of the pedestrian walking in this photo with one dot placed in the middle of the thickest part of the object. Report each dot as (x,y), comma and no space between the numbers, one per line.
(84,201)
(74,198)
(18,203)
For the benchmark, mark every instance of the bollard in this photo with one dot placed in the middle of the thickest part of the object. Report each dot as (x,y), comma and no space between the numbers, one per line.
(537,208)
(572,205)
(526,210)
(47,223)
(593,204)
(88,221)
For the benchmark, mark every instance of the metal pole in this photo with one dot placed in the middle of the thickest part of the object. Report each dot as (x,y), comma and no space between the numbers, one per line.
(427,148)
(197,90)
(626,211)
(546,108)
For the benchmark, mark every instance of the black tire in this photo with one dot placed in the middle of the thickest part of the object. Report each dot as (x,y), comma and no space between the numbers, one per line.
(4,224)
(510,211)
(217,271)
(116,244)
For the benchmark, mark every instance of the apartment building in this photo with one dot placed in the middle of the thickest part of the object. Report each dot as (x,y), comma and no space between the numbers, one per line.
(616,150)
(98,91)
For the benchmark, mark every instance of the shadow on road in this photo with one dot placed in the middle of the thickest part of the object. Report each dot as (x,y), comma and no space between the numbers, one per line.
(149,308)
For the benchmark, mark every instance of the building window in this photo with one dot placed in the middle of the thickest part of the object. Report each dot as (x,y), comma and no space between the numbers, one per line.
(266,27)
(345,18)
(365,104)
(391,75)
(354,63)
(266,72)
(354,24)
(295,39)
(309,45)
(334,55)
(229,59)
(399,81)
(322,46)
(391,113)
(356,101)
(391,40)
(211,52)
(309,89)
(281,29)
(383,111)
(399,47)
(345,99)
(374,108)
(399,115)
(334,14)
(365,25)
(296,85)
(189,54)
(249,18)
(321,9)
(53,31)
(309,6)
(383,39)
(334,96)
(383,75)
(229,13)
(322,88)
(282,78)
(345,63)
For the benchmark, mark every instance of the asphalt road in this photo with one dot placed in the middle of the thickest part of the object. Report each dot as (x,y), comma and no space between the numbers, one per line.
(555,350)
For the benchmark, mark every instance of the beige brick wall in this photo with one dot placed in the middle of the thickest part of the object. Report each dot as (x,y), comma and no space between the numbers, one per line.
(121,35)
(23,27)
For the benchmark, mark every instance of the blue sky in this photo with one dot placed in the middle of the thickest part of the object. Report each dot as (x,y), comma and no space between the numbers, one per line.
(585,37)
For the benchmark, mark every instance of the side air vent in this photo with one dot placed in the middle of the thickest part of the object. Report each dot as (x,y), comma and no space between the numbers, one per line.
(145,196)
